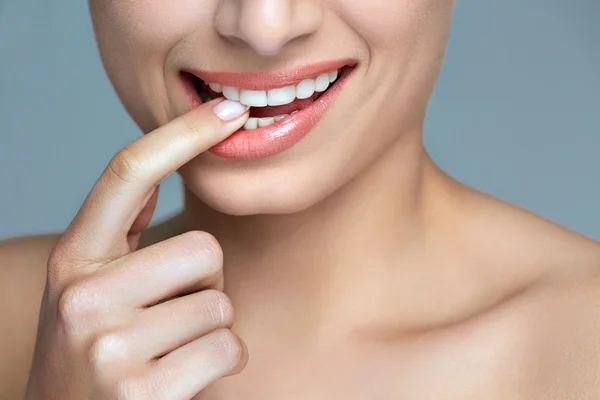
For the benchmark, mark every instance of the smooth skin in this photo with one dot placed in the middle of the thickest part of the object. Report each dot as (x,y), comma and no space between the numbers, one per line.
(352,266)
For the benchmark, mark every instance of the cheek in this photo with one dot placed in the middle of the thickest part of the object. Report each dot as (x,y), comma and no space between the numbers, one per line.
(134,39)
(386,24)
(406,40)
(395,24)
(150,26)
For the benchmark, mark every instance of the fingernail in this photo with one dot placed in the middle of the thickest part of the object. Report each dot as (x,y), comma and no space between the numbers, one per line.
(228,110)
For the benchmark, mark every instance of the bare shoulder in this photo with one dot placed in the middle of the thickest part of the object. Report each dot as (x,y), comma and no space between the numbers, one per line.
(562,322)
(526,240)
(569,319)
(558,315)
(22,281)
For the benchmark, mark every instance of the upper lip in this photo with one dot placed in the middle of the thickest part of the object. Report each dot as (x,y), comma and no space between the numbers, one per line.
(269,79)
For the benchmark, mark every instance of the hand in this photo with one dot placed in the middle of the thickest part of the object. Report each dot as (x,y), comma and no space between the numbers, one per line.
(122,323)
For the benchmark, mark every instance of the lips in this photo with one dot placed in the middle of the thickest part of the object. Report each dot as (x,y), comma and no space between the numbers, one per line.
(271,79)
(271,137)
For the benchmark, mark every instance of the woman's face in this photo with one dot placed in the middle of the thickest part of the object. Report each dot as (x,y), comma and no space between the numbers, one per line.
(395,48)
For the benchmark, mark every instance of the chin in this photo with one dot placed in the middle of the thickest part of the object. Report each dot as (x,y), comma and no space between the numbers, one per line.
(245,192)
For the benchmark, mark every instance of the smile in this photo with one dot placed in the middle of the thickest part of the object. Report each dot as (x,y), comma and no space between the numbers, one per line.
(284,105)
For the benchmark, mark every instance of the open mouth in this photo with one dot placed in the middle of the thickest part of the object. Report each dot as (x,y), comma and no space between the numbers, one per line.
(269,106)
(284,105)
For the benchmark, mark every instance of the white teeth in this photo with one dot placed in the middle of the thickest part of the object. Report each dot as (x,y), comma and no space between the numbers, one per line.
(231,93)
(305,89)
(262,122)
(252,123)
(253,98)
(277,96)
(322,82)
(333,76)
(216,87)
(280,97)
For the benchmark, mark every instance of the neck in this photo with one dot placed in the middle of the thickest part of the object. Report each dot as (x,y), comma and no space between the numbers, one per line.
(367,257)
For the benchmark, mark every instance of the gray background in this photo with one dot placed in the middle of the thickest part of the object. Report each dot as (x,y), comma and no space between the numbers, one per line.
(516,112)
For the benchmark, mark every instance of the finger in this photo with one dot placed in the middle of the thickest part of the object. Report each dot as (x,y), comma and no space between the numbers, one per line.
(99,231)
(174,267)
(191,368)
(143,220)
(185,319)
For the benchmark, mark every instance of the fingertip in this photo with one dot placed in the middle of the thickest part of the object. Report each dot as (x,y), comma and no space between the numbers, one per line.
(228,110)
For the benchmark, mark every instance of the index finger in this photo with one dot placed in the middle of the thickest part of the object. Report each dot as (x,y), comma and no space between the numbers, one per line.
(98,233)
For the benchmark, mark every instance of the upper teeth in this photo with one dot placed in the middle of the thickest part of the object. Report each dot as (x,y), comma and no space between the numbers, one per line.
(279,96)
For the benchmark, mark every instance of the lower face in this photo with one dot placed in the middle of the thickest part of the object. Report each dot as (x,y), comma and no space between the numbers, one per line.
(332,85)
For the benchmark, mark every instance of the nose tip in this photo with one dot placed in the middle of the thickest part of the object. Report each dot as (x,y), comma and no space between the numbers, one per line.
(267,25)
(266,30)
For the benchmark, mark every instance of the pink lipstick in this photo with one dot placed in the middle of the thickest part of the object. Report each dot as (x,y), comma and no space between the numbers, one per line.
(297,118)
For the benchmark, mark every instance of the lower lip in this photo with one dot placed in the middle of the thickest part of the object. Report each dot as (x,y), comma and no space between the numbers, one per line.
(279,136)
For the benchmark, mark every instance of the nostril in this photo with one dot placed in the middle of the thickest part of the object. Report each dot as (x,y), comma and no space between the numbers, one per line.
(266,42)
(263,42)
(267,26)
(236,41)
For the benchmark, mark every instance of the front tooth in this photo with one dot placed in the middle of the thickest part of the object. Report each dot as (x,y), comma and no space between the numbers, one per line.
(216,87)
(333,76)
(280,117)
(281,96)
(305,89)
(262,122)
(322,82)
(252,123)
(231,93)
(253,98)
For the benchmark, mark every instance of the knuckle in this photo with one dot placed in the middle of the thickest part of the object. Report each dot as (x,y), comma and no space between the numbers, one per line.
(229,347)
(203,239)
(126,166)
(107,352)
(219,307)
(74,302)
(205,248)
